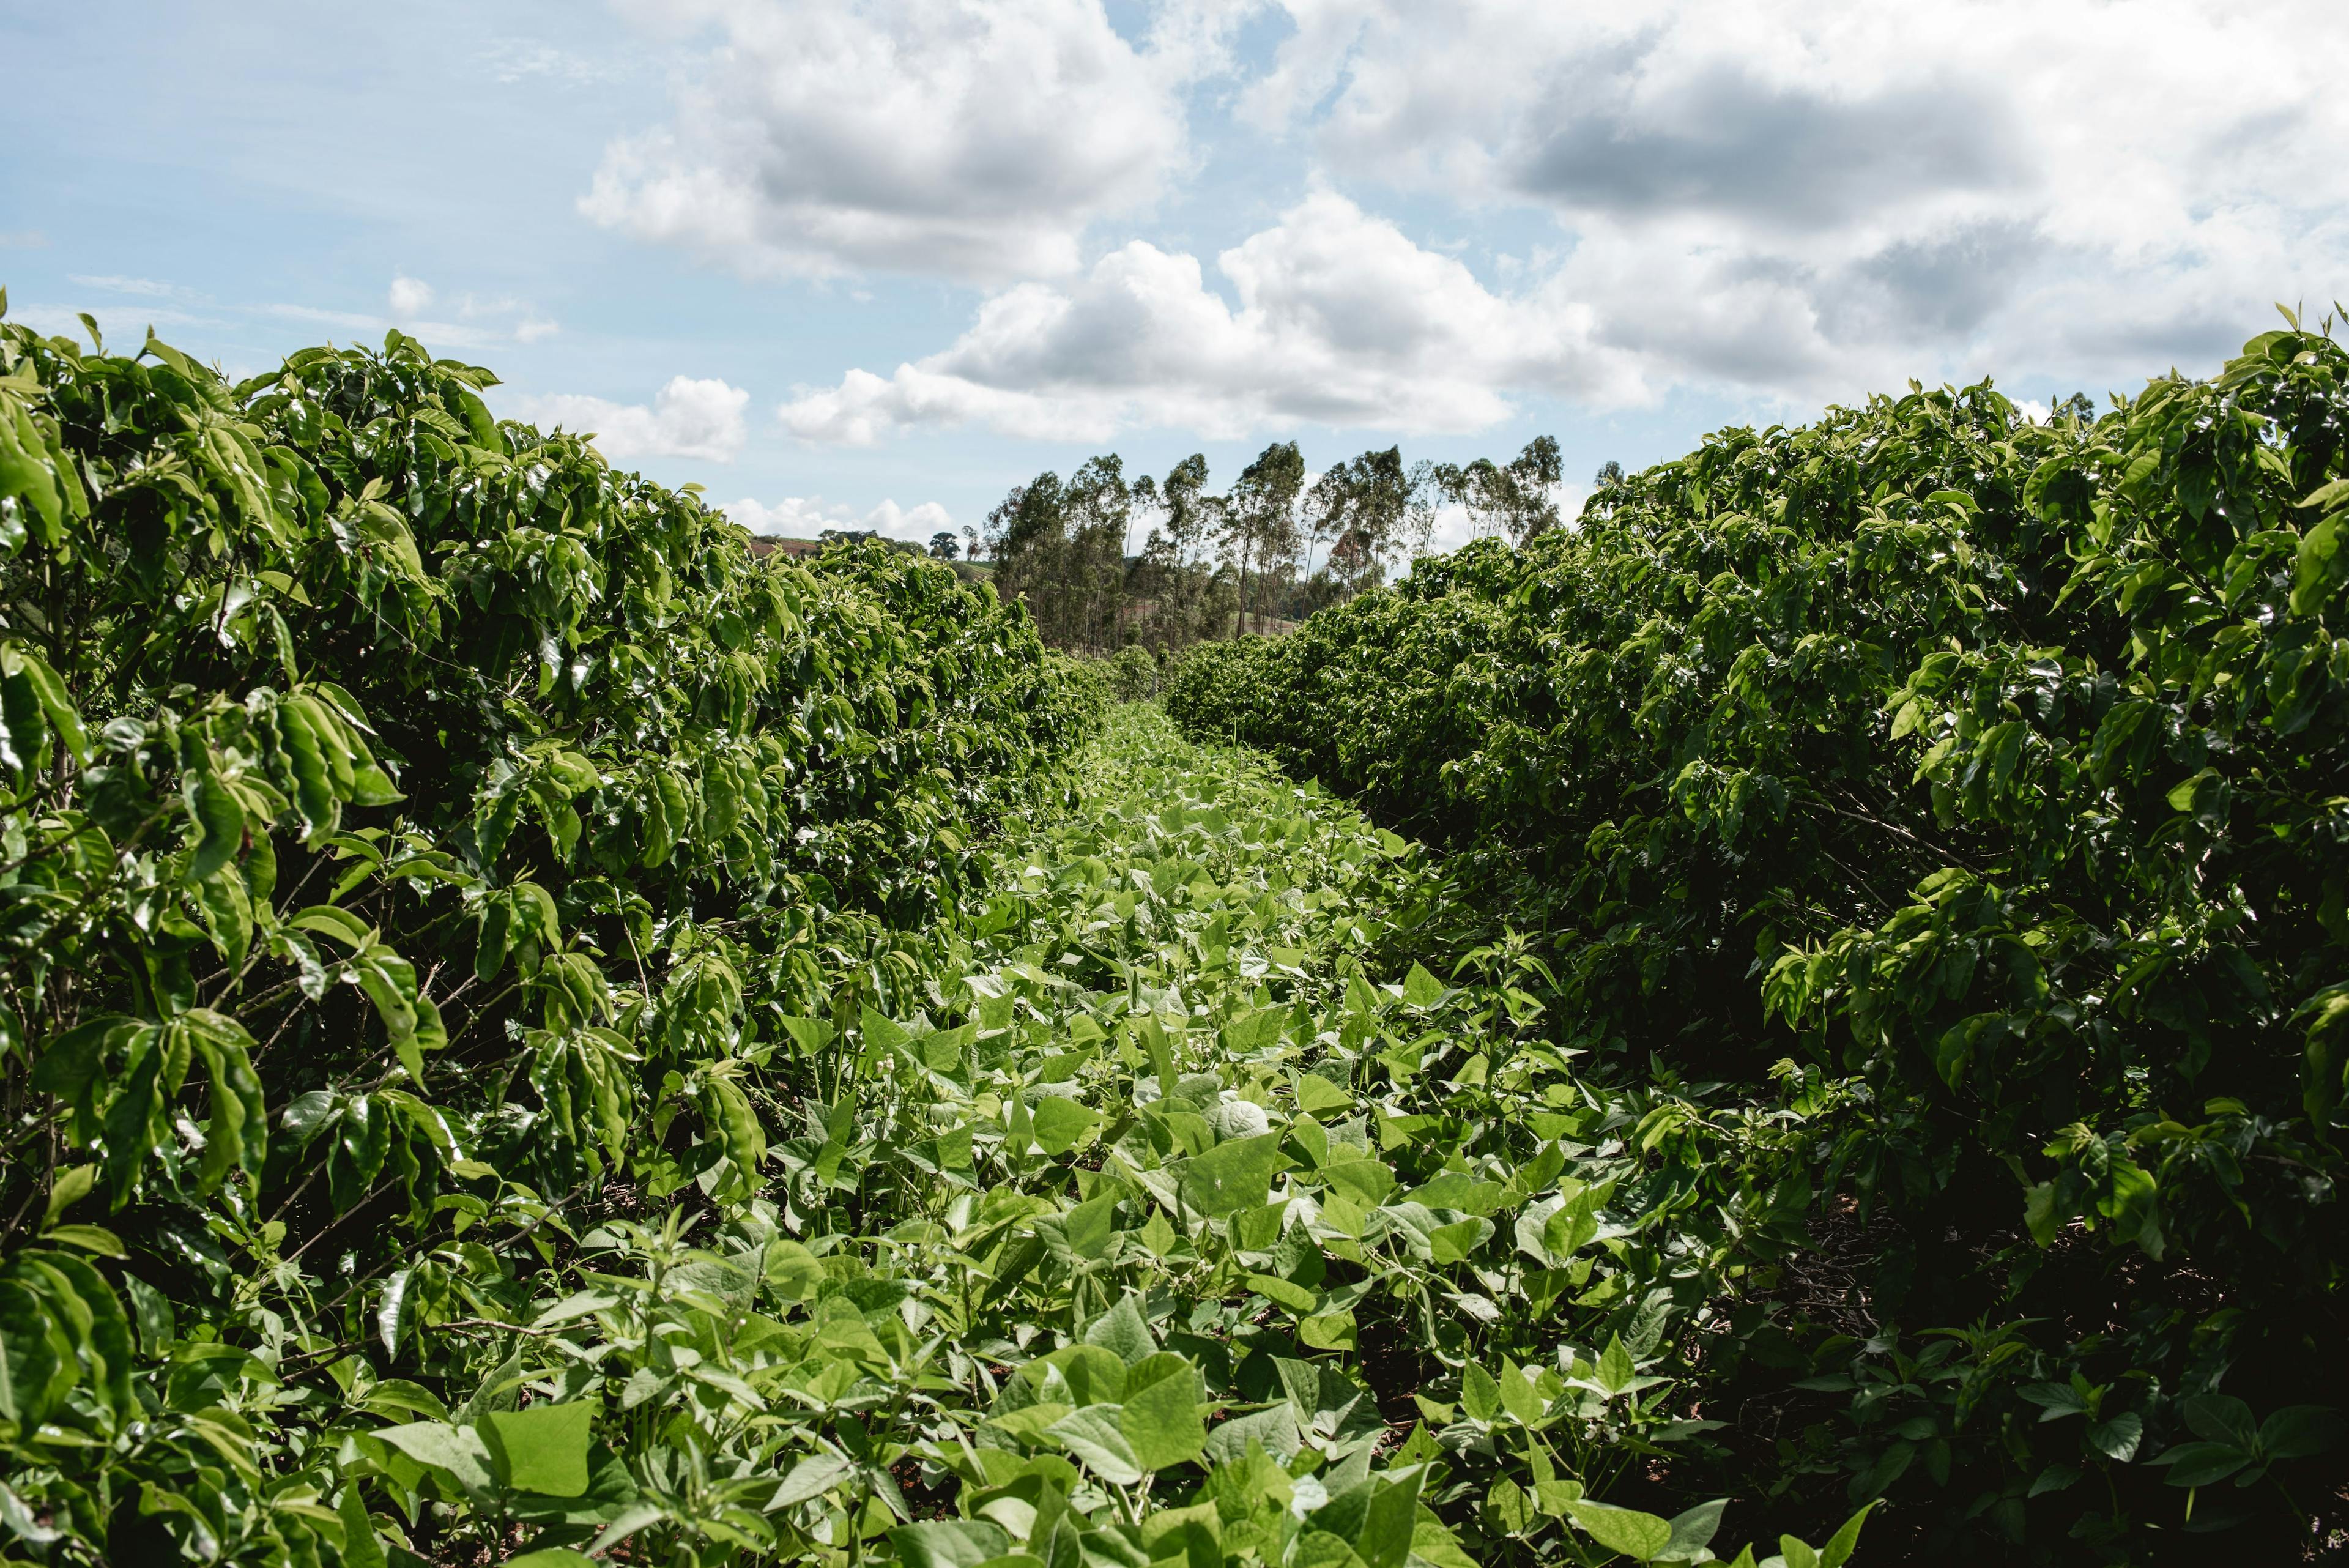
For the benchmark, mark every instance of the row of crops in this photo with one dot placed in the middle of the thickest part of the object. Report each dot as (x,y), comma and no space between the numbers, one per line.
(532,1035)
(1951,812)
(420,846)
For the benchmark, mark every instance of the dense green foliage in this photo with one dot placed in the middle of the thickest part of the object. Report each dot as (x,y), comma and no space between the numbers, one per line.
(1968,795)
(415,835)
(534,1036)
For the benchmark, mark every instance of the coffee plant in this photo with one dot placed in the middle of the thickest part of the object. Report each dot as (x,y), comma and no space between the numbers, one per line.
(1952,806)
(414,833)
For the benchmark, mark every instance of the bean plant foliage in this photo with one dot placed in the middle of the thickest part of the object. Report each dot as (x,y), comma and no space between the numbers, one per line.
(1953,804)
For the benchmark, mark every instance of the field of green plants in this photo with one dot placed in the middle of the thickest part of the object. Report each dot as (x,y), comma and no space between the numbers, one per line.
(533,1036)
(1954,809)
(1812,1000)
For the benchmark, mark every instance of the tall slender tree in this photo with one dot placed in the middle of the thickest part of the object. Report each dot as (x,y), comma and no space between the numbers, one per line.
(1369,511)
(1061,547)
(1519,499)
(1261,523)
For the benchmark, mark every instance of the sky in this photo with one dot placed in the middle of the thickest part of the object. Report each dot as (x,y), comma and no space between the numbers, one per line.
(872,263)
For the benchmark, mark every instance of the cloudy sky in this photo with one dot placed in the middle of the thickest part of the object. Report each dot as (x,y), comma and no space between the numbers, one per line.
(876,262)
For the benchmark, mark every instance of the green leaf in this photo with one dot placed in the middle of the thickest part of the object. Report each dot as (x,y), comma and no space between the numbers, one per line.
(362,1548)
(809,1479)
(1457,1242)
(70,1188)
(1089,1225)
(2299,1430)
(1095,1374)
(2319,563)
(1388,1523)
(218,816)
(1845,1541)
(1232,1176)
(1692,1534)
(2183,796)
(949,1543)
(2117,1438)
(1161,1421)
(1639,1536)
(1615,1370)
(228,913)
(2201,1464)
(1122,1331)
(1096,1436)
(392,1313)
(1420,989)
(55,707)
(88,1238)
(1061,1123)
(2055,1400)
(1480,1396)
(152,1310)
(456,1449)
(1315,1093)
(1327,1330)
(543,1449)
(1518,1395)
(2222,1418)
(1281,1293)
(1368,1181)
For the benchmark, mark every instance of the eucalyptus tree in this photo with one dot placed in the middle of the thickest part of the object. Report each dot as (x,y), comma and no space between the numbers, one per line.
(1259,520)
(1517,499)
(1097,509)
(1370,511)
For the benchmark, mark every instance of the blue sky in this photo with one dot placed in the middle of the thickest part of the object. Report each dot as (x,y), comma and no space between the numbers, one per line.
(876,262)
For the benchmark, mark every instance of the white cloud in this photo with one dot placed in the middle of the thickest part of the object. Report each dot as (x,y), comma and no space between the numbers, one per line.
(1807,197)
(1789,199)
(143,287)
(806,516)
(517,60)
(925,135)
(480,322)
(124,325)
(411,298)
(1342,320)
(687,418)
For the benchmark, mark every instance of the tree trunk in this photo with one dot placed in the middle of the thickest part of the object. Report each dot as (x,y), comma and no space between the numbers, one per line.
(1239,615)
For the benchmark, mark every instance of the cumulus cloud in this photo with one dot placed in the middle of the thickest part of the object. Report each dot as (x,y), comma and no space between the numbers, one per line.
(411,298)
(1794,200)
(687,418)
(1800,197)
(927,136)
(1341,320)
(806,516)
